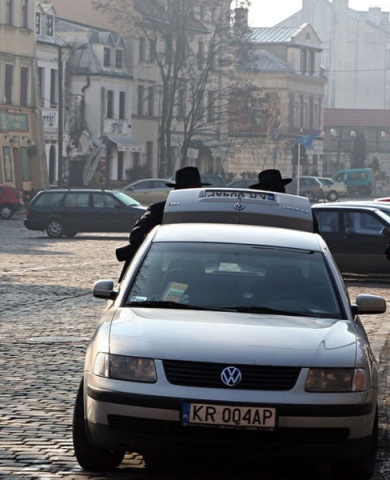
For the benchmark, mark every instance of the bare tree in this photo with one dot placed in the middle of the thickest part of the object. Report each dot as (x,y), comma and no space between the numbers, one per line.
(192,44)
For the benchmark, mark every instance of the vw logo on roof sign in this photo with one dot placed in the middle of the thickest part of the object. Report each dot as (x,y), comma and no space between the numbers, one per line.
(231,376)
(238,206)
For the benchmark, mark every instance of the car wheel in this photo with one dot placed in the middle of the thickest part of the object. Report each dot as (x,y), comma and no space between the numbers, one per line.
(361,468)
(90,457)
(332,196)
(55,229)
(6,211)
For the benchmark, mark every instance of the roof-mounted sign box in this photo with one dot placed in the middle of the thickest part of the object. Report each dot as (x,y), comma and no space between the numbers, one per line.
(246,206)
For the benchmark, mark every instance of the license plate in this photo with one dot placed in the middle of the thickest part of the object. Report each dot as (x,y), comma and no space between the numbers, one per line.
(234,194)
(228,415)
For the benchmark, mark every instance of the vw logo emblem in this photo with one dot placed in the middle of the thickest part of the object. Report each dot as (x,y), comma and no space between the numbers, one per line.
(238,206)
(231,376)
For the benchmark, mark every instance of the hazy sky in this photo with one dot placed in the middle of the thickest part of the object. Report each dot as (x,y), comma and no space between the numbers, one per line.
(265,13)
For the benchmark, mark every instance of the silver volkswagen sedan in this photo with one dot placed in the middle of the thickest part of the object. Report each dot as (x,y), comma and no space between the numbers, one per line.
(235,336)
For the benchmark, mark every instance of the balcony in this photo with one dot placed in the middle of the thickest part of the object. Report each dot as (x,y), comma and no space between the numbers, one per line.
(50,119)
(115,126)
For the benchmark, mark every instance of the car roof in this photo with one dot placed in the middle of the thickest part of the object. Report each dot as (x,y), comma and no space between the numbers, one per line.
(233,205)
(238,234)
(72,190)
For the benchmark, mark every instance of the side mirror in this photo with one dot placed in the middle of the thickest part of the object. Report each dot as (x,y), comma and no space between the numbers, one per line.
(369,304)
(385,231)
(105,289)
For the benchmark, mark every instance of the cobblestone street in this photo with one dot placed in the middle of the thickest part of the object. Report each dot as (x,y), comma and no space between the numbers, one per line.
(47,315)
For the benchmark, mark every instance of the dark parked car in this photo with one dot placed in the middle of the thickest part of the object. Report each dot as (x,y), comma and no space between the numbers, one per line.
(356,235)
(11,201)
(68,212)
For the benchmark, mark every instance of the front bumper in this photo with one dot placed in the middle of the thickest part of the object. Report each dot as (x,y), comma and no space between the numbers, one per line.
(136,422)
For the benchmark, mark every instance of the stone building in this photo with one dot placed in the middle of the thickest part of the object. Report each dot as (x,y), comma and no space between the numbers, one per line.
(355,52)
(282,68)
(22,155)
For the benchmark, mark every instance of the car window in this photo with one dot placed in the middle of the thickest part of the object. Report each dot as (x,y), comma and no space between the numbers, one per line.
(362,223)
(236,276)
(328,221)
(53,199)
(104,200)
(124,199)
(76,199)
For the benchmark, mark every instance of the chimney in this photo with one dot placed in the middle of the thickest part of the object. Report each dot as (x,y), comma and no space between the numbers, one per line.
(241,18)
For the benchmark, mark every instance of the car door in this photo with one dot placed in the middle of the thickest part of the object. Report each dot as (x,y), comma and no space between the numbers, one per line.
(364,244)
(330,227)
(108,213)
(77,212)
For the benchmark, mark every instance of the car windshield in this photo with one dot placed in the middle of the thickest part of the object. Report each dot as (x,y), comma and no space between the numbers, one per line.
(126,199)
(243,278)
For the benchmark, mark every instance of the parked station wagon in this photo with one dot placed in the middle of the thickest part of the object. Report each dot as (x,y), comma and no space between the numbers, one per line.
(67,212)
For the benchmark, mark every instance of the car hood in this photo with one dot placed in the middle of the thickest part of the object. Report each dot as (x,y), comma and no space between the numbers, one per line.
(225,337)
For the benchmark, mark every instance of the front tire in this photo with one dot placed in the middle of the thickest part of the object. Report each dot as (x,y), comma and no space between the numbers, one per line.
(55,228)
(6,211)
(363,467)
(332,196)
(90,457)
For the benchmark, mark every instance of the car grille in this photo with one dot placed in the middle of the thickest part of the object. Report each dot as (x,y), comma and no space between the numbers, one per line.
(208,375)
(140,426)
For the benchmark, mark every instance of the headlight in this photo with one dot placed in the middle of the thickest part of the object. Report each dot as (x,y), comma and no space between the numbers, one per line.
(337,380)
(121,367)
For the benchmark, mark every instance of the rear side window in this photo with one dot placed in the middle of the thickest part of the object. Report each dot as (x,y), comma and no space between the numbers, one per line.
(102,200)
(53,199)
(77,199)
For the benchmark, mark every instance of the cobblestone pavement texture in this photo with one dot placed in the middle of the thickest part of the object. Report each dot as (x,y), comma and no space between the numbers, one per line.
(47,315)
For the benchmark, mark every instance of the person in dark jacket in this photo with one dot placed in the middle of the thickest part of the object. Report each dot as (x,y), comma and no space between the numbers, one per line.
(271,180)
(186,177)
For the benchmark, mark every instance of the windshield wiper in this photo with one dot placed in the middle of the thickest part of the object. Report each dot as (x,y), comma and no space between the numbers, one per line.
(273,311)
(164,304)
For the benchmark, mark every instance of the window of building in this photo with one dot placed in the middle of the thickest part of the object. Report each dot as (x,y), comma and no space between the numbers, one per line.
(107,57)
(305,113)
(9,12)
(24,87)
(141,52)
(122,105)
(49,25)
(297,113)
(152,51)
(9,78)
(149,155)
(120,165)
(312,66)
(38,23)
(150,101)
(181,104)
(200,55)
(211,107)
(118,58)
(110,103)
(41,85)
(304,62)
(53,88)
(25,14)
(140,99)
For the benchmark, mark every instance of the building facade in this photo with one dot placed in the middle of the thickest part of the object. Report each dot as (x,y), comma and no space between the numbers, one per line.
(355,52)
(282,104)
(22,155)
